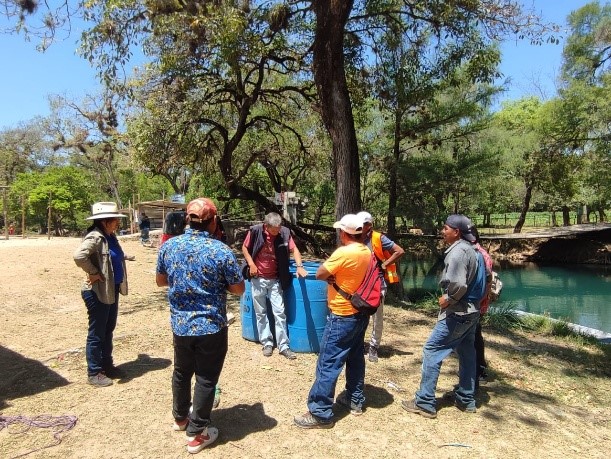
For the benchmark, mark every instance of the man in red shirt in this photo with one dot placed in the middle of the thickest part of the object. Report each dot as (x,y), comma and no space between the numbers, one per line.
(267,250)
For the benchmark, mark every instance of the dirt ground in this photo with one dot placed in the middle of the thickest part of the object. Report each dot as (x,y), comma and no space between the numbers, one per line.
(546,398)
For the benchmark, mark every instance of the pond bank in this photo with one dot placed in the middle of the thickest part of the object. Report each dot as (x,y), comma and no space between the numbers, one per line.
(585,244)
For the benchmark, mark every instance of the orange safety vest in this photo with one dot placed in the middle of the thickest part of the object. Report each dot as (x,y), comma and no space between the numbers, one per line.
(390,273)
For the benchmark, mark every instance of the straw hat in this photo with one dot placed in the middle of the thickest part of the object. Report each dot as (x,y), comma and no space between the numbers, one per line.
(104,210)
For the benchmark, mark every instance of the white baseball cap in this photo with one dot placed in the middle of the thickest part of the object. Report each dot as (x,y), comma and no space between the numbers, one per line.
(350,224)
(365,217)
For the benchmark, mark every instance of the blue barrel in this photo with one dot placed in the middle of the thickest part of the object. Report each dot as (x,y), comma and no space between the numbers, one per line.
(305,303)
(306,309)
(247,314)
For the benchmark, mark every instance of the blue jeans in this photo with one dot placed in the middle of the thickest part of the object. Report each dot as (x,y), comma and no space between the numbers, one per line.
(342,342)
(455,332)
(261,290)
(144,234)
(102,323)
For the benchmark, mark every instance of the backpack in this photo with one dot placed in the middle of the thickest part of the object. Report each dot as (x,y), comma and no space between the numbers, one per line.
(496,287)
(368,296)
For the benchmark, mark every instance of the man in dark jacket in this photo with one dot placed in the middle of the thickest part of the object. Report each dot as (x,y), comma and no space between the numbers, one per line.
(463,283)
(145,228)
(267,250)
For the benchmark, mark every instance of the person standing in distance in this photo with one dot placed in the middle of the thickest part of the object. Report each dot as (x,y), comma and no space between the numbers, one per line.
(199,271)
(145,228)
(463,283)
(388,253)
(101,257)
(266,249)
(343,337)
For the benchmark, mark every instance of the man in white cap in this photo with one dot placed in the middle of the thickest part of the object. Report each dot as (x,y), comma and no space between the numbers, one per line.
(388,253)
(342,341)
(463,283)
(199,271)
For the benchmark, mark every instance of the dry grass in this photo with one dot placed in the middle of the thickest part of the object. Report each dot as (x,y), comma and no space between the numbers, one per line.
(547,397)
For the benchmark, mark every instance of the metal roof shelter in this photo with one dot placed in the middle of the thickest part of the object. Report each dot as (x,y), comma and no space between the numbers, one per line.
(155,210)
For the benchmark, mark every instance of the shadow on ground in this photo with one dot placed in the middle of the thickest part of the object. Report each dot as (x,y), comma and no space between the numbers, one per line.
(239,421)
(143,364)
(22,377)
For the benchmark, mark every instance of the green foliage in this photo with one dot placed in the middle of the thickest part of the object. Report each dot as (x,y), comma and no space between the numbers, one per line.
(503,317)
(587,55)
(428,304)
(67,190)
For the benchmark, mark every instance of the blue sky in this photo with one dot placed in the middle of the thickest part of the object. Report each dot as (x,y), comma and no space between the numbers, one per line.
(29,77)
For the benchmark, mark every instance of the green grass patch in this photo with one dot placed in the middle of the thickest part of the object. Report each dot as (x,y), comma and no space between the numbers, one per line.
(560,328)
(427,303)
(504,317)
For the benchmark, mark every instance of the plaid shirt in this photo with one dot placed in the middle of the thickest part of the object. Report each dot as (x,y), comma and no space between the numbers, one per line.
(199,269)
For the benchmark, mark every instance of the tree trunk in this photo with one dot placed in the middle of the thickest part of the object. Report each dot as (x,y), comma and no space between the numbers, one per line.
(335,104)
(601,214)
(525,207)
(392,180)
(566,216)
(584,215)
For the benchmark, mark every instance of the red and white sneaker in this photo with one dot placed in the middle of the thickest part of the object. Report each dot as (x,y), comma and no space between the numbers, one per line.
(180,425)
(200,441)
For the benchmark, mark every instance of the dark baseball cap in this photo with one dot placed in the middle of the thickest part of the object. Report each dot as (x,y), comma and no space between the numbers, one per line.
(463,225)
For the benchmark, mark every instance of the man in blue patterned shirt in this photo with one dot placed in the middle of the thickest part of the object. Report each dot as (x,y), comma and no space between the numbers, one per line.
(199,270)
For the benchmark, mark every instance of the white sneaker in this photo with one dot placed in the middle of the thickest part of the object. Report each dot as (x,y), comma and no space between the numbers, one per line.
(200,441)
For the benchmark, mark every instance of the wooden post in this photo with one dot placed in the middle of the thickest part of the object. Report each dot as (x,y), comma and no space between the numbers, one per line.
(23,217)
(5,209)
(132,226)
(49,218)
(162,209)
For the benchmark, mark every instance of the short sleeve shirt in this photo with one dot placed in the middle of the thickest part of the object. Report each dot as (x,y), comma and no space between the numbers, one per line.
(199,269)
(348,264)
(265,261)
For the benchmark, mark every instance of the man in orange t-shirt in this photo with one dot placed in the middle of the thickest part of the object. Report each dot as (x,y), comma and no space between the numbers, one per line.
(342,341)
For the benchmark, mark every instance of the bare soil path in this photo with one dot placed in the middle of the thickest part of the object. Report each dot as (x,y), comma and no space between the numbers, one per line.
(546,398)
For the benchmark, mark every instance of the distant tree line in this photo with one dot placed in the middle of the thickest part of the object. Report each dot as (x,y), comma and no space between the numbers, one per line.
(384,105)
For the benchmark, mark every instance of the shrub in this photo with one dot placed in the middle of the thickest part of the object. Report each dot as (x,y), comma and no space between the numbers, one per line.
(503,317)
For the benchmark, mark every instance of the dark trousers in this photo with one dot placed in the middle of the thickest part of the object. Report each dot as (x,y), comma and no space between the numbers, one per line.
(102,323)
(480,350)
(203,356)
